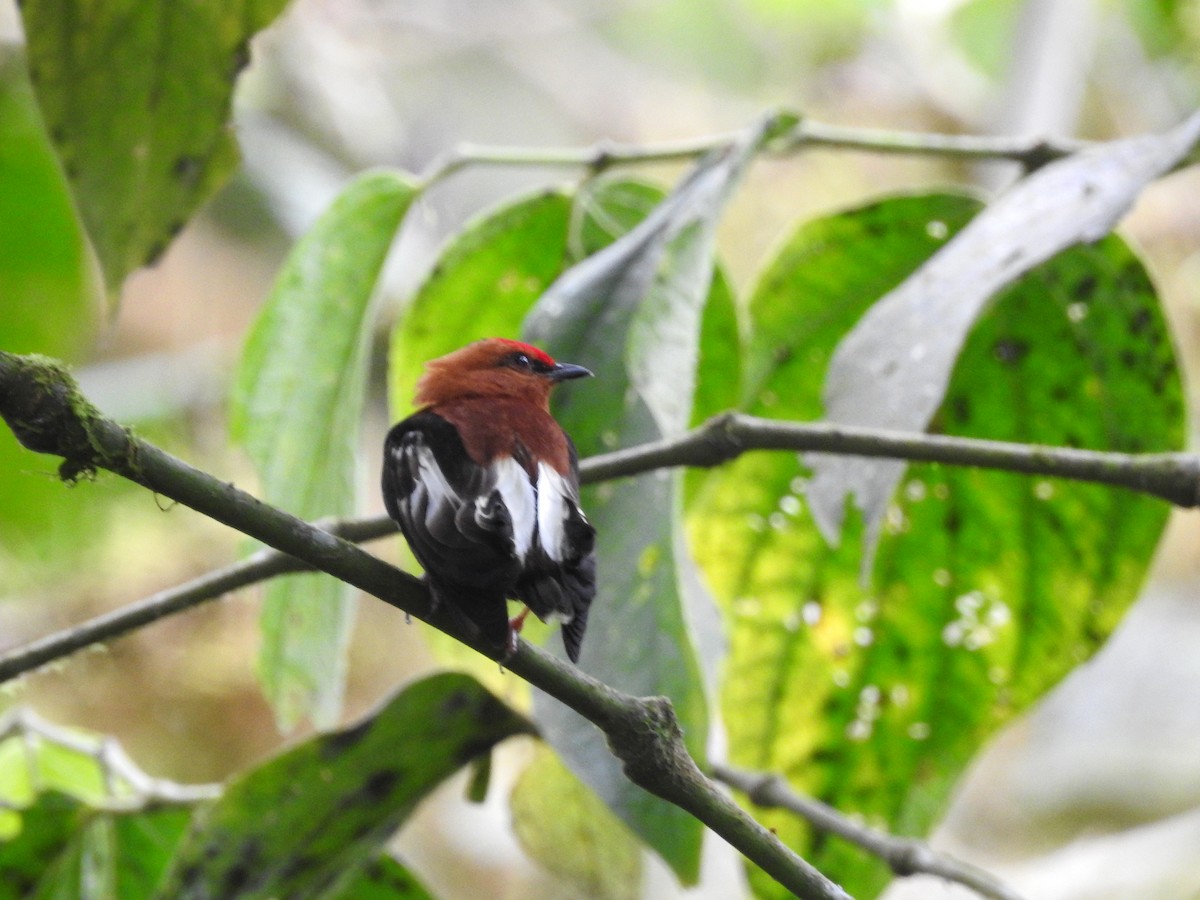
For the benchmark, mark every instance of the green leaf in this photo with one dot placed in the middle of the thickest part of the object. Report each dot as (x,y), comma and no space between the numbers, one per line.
(307,822)
(485,281)
(45,830)
(296,408)
(632,314)
(51,297)
(136,97)
(39,757)
(569,832)
(382,878)
(66,850)
(144,846)
(612,205)
(891,370)
(76,821)
(988,587)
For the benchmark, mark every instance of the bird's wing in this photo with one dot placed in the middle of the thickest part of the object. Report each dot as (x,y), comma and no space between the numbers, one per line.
(457,521)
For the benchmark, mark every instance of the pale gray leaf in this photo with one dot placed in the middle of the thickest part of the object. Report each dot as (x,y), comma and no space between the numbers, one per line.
(632,314)
(645,290)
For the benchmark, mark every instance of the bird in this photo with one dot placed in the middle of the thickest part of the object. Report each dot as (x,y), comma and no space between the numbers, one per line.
(484,484)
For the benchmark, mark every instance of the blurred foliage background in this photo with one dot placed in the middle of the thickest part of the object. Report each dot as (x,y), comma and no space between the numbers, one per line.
(336,86)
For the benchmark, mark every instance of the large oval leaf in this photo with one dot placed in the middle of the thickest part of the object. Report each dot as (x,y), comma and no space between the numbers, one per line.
(988,587)
(296,408)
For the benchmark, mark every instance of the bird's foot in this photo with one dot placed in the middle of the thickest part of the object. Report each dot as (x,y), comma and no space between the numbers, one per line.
(515,624)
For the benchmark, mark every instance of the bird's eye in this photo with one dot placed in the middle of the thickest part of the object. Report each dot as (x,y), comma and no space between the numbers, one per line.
(521,361)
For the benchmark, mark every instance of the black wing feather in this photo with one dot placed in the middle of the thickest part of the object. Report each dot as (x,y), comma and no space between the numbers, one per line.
(453,519)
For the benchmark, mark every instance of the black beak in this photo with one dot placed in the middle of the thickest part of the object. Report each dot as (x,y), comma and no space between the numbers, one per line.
(567,371)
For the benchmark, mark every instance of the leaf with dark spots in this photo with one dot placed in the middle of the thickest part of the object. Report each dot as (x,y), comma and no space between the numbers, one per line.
(1140,321)
(988,587)
(332,801)
(129,89)
(892,369)
(339,742)
(1085,288)
(1010,352)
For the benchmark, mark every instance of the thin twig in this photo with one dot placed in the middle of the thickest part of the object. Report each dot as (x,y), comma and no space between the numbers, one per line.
(119,622)
(43,407)
(1171,476)
(905,856)
(129,788)
(260,566)
(1031,153)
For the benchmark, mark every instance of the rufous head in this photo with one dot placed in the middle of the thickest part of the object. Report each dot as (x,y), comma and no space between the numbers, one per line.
(494,367)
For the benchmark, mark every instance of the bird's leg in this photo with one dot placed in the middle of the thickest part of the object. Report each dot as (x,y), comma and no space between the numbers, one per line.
(517,622)
(434,597)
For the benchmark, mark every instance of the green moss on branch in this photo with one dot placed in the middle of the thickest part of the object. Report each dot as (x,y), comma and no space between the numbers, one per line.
(42,404)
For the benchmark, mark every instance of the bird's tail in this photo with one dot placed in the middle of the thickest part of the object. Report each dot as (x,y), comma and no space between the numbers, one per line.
(487,611)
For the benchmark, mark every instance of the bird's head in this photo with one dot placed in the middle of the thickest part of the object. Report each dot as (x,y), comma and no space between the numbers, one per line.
(494,367)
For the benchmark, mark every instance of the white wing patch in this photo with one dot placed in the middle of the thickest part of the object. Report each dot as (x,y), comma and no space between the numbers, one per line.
(520,498)
(431,490)
(554,502)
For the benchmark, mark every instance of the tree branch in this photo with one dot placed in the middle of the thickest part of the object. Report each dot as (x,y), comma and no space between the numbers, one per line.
(904,856)
(258,567)
(1174,477)
(118,770)
(1031,153)
(43,406)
